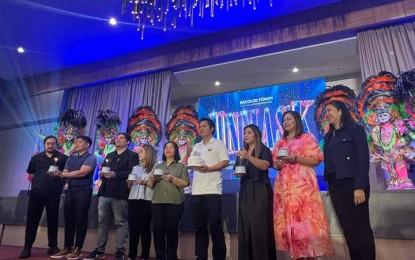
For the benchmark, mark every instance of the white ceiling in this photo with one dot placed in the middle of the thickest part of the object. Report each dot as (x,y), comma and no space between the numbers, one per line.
(333,61)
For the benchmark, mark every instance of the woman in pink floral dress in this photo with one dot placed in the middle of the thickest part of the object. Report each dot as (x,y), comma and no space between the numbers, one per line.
(300,223)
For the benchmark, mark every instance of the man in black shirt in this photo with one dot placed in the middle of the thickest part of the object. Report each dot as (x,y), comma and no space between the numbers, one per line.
(45,193)
(113,197)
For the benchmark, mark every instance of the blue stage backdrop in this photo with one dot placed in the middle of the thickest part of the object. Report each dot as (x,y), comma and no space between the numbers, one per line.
(263,107)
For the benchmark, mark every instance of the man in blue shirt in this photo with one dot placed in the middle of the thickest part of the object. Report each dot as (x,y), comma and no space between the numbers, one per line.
(79,171)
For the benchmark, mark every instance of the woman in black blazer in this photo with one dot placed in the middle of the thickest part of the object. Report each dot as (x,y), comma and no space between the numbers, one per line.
(346,168)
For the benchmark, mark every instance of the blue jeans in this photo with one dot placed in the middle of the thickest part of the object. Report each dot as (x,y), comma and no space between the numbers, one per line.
(108,207)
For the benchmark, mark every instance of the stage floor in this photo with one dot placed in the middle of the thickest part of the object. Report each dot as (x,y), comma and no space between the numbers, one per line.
(13,252)
(392,213)
(386,249)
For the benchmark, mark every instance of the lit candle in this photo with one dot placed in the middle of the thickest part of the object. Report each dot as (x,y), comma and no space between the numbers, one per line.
(54,167)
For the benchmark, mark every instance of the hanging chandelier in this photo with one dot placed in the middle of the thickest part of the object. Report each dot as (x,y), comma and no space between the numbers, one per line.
(167,12)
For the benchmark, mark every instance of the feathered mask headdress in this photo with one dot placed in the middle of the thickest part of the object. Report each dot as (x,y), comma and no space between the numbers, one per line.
(378,95)
(108,124)
(183,123)
(339,93)
(144,124)
(72,122)
(405,86)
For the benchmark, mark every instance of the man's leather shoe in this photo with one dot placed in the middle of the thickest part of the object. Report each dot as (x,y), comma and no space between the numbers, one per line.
(26,253)
(76,254)
(62,254)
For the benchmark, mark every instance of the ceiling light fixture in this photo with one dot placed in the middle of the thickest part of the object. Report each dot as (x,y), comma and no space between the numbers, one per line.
(20,49)
(295,69)
(167,12)
(217,83)
(113,21)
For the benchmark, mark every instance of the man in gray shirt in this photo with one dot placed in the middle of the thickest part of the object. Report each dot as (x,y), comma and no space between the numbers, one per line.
(79,171)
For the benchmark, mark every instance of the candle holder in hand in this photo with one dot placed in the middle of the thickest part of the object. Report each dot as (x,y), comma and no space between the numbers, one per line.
(240,168)
(54,167)
(283,152)
(158,173)
(132,177)
(106,168)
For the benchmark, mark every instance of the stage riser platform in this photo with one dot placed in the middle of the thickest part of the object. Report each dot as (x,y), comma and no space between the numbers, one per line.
(386,249)
(392,219)
(392,213)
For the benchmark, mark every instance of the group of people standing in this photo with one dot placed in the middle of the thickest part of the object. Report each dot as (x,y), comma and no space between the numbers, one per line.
(47,183)
(291,218)
(136,206)
(298,216)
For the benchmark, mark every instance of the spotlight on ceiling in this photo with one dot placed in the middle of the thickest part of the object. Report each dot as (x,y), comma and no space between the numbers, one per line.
(217,83)
(295,69)
(20,49)
(113,21)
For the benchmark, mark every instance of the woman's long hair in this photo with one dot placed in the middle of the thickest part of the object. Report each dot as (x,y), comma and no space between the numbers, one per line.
(258,139)
(151,159)
(299,127)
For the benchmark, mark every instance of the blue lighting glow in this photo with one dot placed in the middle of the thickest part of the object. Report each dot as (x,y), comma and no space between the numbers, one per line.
(61,34)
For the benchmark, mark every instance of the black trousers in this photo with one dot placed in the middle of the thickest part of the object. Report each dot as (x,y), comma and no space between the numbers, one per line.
(166,218)
(207,212)
(139,223)
(77,202)
(37,202)
(353,219)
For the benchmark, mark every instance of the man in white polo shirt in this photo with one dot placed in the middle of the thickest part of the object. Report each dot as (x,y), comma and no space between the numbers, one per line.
(207,192)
